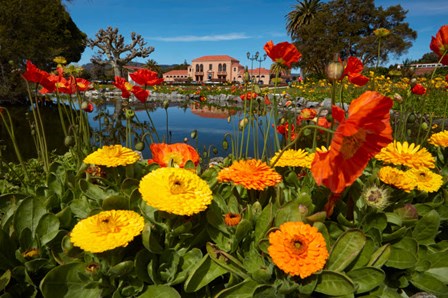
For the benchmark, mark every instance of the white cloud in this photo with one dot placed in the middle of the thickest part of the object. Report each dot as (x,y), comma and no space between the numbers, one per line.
(190,38)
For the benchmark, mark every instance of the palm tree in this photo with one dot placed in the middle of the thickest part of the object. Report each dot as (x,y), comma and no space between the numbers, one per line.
(303,13)
(151,64)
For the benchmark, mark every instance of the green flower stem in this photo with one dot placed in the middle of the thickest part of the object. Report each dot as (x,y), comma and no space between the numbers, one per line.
(10,129)
(151,122)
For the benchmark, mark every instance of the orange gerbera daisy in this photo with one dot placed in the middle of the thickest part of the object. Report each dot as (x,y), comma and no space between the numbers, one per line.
(298,249)
(357,139)
(251,174)
(283,53)
(176,155)
(439,44)
(232,219)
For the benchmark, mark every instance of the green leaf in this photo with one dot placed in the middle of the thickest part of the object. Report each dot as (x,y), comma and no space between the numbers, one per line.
(160,291)
(366,278)
(380,256)
(365,254)
(288,212)
(92,191)
(245,289)
(403,254)
(376,220)
(28,215)
(243,229)
(334,284)
(121,269)
(441,273)
(4,280)
(394,218)
(430,284)
(346,248)
(264,222)
(151,240)
(48,228)
(65,281)
(427,228)
(202,274)
(116,202)
(54,184)
(80,208)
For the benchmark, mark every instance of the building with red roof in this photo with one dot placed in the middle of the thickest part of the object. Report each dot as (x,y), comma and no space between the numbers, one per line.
(215,68)
(173,76)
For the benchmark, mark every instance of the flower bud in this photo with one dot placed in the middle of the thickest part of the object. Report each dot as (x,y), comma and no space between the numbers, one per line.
(243,123)
(398,98)
(225,145)
(139,146)
(381,32)
(194,134)
(424,126)
(69,141)
(407,212)
(185,140)
(166,104)
(335,70)
(130,114)
(215,150)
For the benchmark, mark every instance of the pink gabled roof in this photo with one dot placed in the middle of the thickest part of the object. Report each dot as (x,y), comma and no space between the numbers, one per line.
(215,58)
(177,72)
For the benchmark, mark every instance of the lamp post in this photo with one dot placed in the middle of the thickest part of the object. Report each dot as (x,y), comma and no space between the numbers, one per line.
(259,67)
(252,58)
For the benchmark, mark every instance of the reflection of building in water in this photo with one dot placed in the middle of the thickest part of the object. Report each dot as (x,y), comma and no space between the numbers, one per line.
(212,111)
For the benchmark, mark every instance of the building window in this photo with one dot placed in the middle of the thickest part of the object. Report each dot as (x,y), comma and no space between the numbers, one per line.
(197,67)
(201,68)
(219,67)
(234,69)
(210,67)
(224,67)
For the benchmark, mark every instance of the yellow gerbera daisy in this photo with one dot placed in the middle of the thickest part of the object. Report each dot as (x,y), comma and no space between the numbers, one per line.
(397,178)
(409,155)
(112,156)
(439,139)
(107,230)
(291,158)
(175,190)
(298,249)
(426,180)
(251,174)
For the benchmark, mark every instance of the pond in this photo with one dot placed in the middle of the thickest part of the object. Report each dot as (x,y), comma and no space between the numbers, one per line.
(211,124)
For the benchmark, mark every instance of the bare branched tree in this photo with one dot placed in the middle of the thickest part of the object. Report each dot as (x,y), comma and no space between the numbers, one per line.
(112,45)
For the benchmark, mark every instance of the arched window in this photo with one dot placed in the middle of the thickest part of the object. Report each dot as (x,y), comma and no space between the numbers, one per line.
(220,67)
(197,67)
(201,68)
(224,67)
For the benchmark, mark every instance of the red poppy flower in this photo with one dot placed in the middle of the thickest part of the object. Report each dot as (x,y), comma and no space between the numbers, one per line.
(36,75)
(87,107)
(323,122)
(283,53)
(306,114)
(248,96)
(124,86)
(356,140)
(173,154)
(140,93)
(439,44)
(353,71)
(284,129)
(268,102)
(146,77)
(83,84)
(418,89)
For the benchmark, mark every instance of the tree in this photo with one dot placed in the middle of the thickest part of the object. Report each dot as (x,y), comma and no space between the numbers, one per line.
(112,45)
(345,27)
(304,12)
(38,31)
(152,64)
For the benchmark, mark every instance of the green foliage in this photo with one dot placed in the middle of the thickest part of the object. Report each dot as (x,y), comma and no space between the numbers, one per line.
(38,31)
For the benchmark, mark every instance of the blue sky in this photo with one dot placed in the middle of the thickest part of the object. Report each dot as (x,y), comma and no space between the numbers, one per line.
(182,30)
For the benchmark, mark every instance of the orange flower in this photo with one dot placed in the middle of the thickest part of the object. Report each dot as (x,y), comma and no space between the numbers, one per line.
(283,53)
(140,93)
(357,139)
(307,114)
(248,96)
(36,75)
(439,44)
(176,154)
(353,71)
(232,219)
(146,77)
(284,128)
(251,174)
(124,86)
(298,249)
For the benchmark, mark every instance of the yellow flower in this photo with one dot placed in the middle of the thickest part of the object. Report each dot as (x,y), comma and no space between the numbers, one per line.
(251,174)
(175,190)
(409,155)
(291,158)
(298,249)
(381,32)
(107,230)
(112,156)
(397,178)
(426,180)
(439,139)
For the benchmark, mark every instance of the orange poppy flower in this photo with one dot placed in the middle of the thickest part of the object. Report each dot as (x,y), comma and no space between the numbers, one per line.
(36,75)
(232,219)
(353,71)
(146,77)
(248,96)
(177,154)
(83,84)
(284,129)
(356,140)
(439,44)
(283,53)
